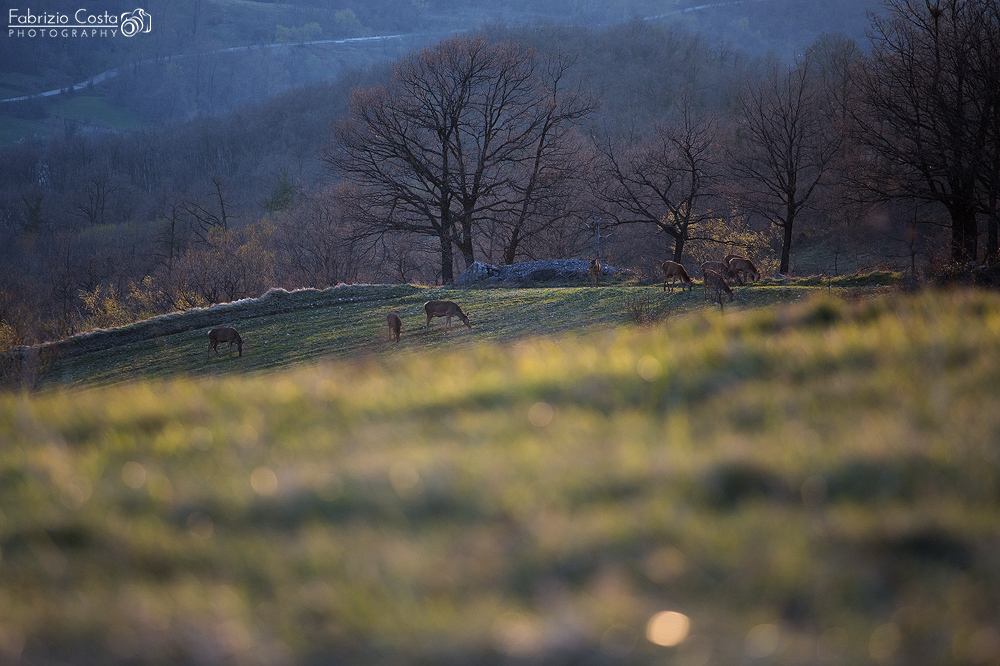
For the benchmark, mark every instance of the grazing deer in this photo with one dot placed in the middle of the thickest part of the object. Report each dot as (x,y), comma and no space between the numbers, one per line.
(743,268)
(673,271)
(722,269)
(226,334)
(446,309)
(715,280)
(395,325)
(595,271)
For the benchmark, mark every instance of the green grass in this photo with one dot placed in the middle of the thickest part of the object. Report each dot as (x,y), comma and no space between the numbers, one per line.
(13,129)
(88,109)
(95,110)
(810,483)
(322,328)
(15,84)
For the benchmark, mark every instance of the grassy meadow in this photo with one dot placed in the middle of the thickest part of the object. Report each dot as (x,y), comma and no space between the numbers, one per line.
(809,476)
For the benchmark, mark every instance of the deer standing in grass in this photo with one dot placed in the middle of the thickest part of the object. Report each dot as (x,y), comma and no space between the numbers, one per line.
(446,309)
(673,271)
(226,334)
(595,271)
(743,267)
(395,325)
(722,268)
(714,280)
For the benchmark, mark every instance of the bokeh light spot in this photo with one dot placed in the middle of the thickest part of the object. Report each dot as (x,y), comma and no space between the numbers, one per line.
(404,478)
(540,414)
(264,481)
(517,635)
(664,564)
(814,490)
(762,641)
(200,525)
(649,368)
(668,628)
(133,474)
(619,640)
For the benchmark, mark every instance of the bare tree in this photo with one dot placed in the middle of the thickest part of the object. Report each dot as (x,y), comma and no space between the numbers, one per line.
(432,152)
(206,220)
(782,147)
(315,242)
(986,51)
(94,197)
(544,188)
(835,60)
(171,239)
(927,108)
(665,179)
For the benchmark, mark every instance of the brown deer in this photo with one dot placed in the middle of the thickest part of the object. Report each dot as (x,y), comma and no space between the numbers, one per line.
(722,269)
(715,280)
(595,271)
(226,334)
(744,268)
(446,309)
(395,325)
(673,271)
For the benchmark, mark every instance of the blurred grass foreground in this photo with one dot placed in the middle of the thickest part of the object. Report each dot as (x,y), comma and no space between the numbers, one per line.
(814,483)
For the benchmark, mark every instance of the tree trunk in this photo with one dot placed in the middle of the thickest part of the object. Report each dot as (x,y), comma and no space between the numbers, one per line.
(964,234)
(464,243)
(510,251)
(447,274)
(786,246)
(678,247)
(992,249)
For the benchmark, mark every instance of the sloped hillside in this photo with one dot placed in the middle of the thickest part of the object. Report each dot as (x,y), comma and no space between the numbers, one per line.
(809,483)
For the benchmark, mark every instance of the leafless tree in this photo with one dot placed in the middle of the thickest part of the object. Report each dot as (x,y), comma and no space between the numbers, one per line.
(987,66)
(94,197)
(544,187)
(316,243)
(433,152)
(782,147)
(665,179)
(172,238)
(927,111)
(207,217)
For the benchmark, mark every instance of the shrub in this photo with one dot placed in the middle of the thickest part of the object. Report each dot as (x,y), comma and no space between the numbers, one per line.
(640,309)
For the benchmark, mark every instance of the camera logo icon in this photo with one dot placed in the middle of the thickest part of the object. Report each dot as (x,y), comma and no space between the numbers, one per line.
(134,22)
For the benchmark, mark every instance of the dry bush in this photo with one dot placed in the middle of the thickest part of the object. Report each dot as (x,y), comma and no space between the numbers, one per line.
(641,309)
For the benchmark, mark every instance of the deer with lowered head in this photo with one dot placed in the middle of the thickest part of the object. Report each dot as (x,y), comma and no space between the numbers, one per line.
(225,334)
(673,271)
(395,325)
(722,268)
(715,281)
(743,268)
(446,309)
(595,271)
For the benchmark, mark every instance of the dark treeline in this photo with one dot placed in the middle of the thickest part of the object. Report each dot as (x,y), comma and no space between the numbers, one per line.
(647,138)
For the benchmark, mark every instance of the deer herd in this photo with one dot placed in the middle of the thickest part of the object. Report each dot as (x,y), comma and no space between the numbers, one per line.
(715,274)
(716,277)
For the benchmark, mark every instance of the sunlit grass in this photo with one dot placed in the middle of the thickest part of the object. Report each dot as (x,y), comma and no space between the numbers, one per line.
(323,327)
(810,483)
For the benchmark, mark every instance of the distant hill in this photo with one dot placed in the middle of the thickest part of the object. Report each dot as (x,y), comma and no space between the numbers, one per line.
(186,65)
